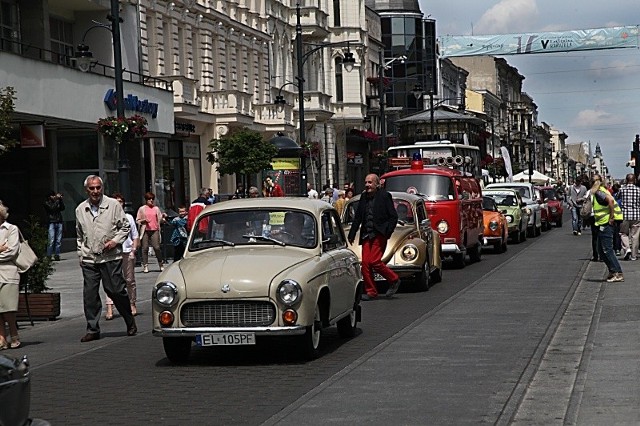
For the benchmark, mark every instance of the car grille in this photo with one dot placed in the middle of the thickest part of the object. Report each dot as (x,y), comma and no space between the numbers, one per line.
(228,314)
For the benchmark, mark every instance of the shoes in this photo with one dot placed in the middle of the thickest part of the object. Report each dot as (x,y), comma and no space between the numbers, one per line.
(161,268)
(595,259)
(393,288)
(611,274)
(575,232)
(627,255)
(15,342)
(109,315)
(3,343)
(56,257)
(365,297)
(133,330)
(145,269)
(616,278)
(579,233)
(633,258)
(618,252)
(134,311)
(90,337)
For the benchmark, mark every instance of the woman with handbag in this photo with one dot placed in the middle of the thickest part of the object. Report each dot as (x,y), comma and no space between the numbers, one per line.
(9,280)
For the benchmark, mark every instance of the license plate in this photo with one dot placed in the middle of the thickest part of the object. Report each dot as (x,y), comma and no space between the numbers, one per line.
(225,339)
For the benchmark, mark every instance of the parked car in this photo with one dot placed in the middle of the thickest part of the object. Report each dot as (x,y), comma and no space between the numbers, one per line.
(514,209)
(529,196)
(453,200)
(496,231)
(414,248)
(554,204)
(15,393)
(259,267)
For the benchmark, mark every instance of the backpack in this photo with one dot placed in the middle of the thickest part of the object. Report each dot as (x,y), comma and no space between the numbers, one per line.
(586,210)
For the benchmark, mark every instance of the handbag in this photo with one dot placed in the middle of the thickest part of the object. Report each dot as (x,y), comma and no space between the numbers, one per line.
(26,257)
(586,209)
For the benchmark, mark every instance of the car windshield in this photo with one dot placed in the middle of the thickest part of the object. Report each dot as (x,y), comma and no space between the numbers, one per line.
(254,227)
(508,200)
(488,204)
(435,187)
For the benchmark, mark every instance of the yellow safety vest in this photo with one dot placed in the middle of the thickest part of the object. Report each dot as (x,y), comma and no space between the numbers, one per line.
(601,213)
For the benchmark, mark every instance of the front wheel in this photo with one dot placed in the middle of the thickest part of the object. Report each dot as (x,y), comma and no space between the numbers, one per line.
(310,340)
(177,349)
(422,278)
(347,325)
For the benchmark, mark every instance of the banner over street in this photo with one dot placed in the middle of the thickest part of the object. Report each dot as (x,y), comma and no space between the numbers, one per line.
(540,42)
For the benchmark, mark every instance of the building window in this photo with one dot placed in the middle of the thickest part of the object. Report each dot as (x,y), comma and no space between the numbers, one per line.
(61,41)
(336,13)
(339,83)
(9,34)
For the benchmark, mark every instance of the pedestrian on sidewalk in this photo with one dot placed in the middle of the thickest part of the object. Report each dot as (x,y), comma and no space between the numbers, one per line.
(375,218)
(606,212)
(179,235)
(54,206)
(150,219)
(101,228)
(129,248)
(630,229)
(577,196)
(196,207)
(9,281)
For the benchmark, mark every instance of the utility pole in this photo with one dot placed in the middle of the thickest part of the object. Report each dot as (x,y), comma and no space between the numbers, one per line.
(381,103)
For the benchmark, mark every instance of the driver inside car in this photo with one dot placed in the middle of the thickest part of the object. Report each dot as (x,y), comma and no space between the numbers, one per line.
(292,232)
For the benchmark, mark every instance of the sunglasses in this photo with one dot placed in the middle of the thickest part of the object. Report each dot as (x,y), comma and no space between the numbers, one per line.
(94,188)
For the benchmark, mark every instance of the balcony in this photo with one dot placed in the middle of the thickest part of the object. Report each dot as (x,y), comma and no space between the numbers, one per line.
(314,22)
(185,96)
(233,105)
(275,119)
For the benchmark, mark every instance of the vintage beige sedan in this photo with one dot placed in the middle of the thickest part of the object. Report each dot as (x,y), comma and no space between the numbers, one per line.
(256,268)
(414,248)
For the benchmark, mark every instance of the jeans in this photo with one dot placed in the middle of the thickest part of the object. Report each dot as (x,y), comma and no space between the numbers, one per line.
(55,239)
(576,219)
(605,248)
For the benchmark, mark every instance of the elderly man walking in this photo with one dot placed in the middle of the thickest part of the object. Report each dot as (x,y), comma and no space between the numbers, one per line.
(630,229)
(101,228)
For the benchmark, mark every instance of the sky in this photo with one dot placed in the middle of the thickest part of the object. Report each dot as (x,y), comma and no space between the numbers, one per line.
(591,96)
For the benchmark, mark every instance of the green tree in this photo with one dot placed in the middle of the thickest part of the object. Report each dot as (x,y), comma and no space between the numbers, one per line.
(243,152)
(7,106)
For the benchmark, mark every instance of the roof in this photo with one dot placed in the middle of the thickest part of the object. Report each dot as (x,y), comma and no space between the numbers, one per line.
(439,115)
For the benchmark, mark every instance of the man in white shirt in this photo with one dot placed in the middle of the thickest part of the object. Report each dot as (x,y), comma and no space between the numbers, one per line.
(311,193)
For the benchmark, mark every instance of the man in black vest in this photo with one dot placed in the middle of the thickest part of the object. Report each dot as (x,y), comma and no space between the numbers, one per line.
(376,218)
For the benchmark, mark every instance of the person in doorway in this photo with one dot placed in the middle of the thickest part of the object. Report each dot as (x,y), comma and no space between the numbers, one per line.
(577,196)
(9,281)
(150,218)
(54,206)
(129,249)
(606,212)
(101,228)
(375,218)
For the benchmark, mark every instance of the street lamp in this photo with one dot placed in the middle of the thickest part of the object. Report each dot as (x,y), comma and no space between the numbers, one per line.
(84,60)
(348,62)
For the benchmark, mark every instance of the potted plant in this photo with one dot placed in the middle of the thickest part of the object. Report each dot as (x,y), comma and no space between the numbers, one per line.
(35,299)
(123,128)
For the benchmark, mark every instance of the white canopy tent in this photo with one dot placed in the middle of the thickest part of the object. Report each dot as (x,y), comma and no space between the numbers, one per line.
(536,177)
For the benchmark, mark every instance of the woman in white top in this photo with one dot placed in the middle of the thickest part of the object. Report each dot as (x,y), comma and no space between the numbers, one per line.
(9,280)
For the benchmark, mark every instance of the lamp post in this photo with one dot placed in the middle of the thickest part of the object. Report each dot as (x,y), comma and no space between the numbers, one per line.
(382,96)
(348,63)
(493,145)
(84,59)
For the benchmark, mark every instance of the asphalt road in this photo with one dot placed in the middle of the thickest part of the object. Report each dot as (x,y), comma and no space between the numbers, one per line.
(479,330)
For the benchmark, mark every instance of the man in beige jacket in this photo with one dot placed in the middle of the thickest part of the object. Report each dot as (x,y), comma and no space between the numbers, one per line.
(101,228)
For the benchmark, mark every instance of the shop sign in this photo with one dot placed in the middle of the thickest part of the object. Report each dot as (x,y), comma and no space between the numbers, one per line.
(355,158)
(180,126)
(191,150)
(131,103)
(161,146)
(285,164)
(32,136)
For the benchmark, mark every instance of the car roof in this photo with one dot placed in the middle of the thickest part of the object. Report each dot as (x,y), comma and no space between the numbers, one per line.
(313,206)
(497,190)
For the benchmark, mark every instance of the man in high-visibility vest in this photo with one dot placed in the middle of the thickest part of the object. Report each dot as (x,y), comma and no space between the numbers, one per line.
(606,212)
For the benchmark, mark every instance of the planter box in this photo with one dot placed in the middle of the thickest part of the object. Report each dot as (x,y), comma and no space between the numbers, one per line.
(43,306)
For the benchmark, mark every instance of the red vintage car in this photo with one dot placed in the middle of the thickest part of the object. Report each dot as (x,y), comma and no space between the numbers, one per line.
(554,205)
(496,228)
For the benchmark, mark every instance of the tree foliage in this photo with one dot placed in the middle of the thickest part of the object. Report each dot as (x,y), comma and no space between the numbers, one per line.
(243,152)
(7,106)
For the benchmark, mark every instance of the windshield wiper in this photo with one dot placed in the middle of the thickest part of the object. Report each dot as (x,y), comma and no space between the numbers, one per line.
(212,243)
(263,238)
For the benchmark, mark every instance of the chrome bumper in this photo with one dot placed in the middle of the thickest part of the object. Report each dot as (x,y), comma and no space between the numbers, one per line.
(451,249)
(488,240)
(259,331)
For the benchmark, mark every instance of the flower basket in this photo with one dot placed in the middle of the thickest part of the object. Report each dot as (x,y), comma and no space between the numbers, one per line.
(123,129)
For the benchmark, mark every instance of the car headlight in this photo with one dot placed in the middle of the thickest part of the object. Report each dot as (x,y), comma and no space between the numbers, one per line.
(289,292)
(443,227)
(509,218)
(165,293)
(554,209)
(409,252)
(493,225)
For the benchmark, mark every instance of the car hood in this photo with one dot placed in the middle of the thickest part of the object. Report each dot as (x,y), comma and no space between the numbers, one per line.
(236,273)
